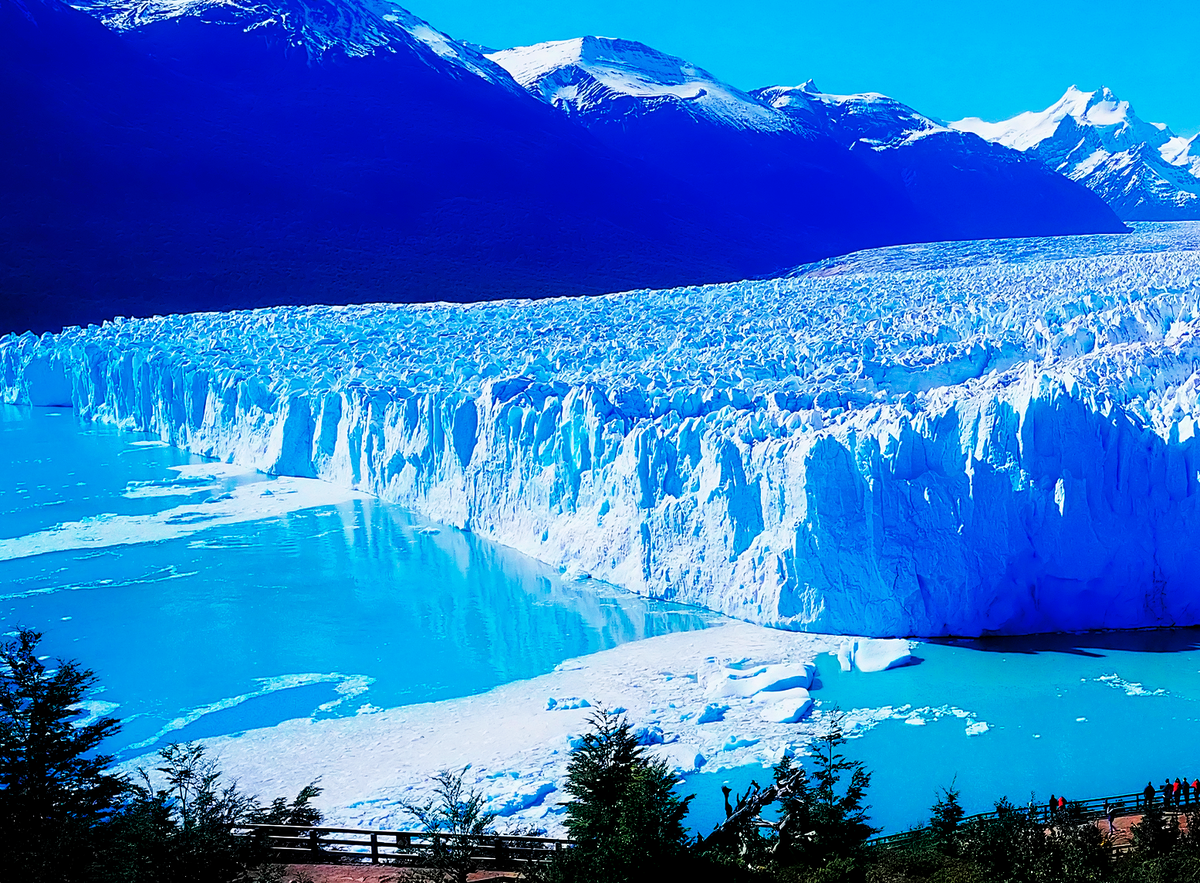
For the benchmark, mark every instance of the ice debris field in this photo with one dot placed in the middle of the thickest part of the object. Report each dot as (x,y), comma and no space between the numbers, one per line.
(730,695)
(966,444)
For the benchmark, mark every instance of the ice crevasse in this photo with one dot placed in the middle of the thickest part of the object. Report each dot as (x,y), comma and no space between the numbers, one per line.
(986,445)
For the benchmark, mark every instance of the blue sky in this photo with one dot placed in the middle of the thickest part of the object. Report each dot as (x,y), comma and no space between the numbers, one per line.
(947,59)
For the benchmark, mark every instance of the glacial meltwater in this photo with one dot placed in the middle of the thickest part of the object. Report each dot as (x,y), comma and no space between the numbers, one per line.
(211,600)
(1081,715)
(323,610)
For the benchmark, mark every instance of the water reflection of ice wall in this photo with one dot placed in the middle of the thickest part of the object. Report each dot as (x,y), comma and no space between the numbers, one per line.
(317,611)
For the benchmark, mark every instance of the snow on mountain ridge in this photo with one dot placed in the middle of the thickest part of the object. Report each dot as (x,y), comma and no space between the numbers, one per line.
(358,28)
(986,446)
(870,117)
(1142,169)
(584,73)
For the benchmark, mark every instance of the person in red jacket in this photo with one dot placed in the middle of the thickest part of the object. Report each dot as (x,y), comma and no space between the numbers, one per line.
(1176,792)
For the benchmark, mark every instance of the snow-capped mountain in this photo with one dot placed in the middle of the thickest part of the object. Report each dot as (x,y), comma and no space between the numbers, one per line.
(959,184)
(178,155)
(1143,170)
(869,117)
(608,78)
(186,163)
(313,30)
(757,163)
(865,160)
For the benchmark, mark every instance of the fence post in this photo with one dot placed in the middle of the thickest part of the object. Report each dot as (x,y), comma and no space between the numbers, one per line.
(374,848)
(314,841)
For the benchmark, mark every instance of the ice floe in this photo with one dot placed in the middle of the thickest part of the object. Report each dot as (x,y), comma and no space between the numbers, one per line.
(246,502)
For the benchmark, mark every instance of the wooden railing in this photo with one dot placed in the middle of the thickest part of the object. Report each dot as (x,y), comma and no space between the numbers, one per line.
(304,844)
(1091,809)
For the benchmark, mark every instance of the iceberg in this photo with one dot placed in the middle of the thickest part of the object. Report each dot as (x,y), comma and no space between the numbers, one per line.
(952,447)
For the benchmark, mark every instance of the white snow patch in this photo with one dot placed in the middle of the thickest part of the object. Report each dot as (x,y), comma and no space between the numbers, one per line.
(249,502)
(371,762)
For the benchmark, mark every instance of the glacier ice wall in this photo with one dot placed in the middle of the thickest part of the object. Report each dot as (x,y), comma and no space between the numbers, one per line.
(1004,446)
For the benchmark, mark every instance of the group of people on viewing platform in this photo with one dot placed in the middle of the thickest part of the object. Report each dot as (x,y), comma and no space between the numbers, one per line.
(1175,794)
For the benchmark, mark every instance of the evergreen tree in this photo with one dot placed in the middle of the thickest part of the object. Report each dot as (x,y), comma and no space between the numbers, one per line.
(947,814)
(624,815)
(53,785)
(828,819)
(1156,834)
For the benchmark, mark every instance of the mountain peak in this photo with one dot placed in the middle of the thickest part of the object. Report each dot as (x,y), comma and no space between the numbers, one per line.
(1141,168)
(315,28)
(594,74)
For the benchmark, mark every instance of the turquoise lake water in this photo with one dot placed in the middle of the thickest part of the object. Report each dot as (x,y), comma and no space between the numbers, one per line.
(318,612)
(1085,715)
(325,610)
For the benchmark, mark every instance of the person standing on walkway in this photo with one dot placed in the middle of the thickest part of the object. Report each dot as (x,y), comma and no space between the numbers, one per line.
(1176,792)
(1050,808)
(1166,793)
(1108,814)
(1186,792)
(1148,795)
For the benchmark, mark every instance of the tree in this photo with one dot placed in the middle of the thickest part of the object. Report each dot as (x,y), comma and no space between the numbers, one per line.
(947,814)
(827,820)
(184,827)
(624,815)
(1156,834)
(53,786)
(739,836)
(451,816)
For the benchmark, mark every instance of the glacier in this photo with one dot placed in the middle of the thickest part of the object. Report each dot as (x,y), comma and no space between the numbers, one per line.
(925,445)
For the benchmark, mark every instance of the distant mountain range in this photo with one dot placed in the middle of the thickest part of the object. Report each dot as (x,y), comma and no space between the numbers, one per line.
(1143,170)
(214,154)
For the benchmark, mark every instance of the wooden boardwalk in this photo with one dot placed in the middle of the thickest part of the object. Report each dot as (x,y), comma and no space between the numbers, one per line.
(413,848)
(1127,812)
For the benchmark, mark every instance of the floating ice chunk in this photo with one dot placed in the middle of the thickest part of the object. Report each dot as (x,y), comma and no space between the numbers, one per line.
(712,713)
(92,710)
(915,721)
(845,656)
(768,678)
(876,654)
(734,742)
(684,758)
(873,654)
(977,728)
(1131,688)
(791,707)
(650,735)
(521,799)
(566,703)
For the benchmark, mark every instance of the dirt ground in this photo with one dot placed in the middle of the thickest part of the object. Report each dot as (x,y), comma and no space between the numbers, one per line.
(364,873)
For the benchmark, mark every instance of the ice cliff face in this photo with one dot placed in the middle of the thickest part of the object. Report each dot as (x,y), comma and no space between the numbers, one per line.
(1004,440)
(1143,170)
